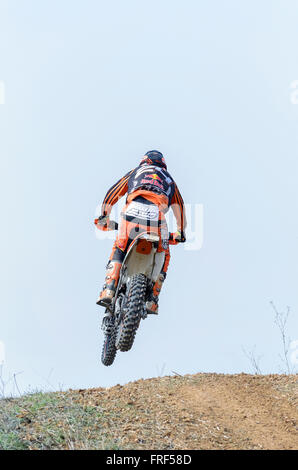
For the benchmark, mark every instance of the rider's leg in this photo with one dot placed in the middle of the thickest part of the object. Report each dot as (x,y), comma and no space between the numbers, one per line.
(114,265)
(112,276)
(125,235)
(152,303)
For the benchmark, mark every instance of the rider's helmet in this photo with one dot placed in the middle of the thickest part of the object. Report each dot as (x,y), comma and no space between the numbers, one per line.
(154,157)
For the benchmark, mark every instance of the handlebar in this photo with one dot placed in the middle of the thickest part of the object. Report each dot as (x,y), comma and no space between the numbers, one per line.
(103,226)
(173,241)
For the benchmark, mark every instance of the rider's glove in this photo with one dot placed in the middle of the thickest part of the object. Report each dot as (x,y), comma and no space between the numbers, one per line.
(177,237)
(102,222)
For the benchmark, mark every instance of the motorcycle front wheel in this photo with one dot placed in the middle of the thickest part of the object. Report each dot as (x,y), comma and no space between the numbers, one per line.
(109,350)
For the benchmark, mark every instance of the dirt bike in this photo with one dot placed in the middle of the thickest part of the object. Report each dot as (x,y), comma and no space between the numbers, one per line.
(140,269)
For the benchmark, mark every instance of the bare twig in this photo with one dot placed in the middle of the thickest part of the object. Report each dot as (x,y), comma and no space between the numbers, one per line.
(16,383)
(2,383)
(254,360)
(46,379)
(160,371)
(176,373)
(280,320)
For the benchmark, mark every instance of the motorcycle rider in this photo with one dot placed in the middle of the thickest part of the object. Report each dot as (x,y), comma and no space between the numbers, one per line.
(150,192)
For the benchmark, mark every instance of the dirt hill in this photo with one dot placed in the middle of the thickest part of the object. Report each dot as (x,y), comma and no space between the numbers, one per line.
(202,411)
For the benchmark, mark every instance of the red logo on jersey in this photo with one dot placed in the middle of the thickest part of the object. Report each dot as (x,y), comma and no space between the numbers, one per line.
(155,177)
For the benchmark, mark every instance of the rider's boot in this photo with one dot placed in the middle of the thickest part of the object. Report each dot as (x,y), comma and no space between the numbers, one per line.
(111,282)
(152,302)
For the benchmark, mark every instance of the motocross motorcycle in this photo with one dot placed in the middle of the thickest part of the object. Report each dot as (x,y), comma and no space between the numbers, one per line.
(140,270)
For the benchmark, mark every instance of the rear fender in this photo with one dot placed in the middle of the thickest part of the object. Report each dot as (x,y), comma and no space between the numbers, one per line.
(149,264)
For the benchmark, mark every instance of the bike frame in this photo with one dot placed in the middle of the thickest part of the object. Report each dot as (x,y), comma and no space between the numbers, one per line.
(134,263)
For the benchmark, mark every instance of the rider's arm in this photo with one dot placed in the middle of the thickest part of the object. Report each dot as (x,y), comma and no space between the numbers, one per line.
(178,208)
(117,191)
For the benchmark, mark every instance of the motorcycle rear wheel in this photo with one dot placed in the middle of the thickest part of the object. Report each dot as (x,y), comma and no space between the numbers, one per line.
(134,308)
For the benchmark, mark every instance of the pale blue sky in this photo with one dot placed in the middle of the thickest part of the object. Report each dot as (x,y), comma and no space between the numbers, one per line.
(92,85)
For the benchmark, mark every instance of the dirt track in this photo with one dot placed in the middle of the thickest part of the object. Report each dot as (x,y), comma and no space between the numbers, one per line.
(202,411)
(210,411)
(245,412)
